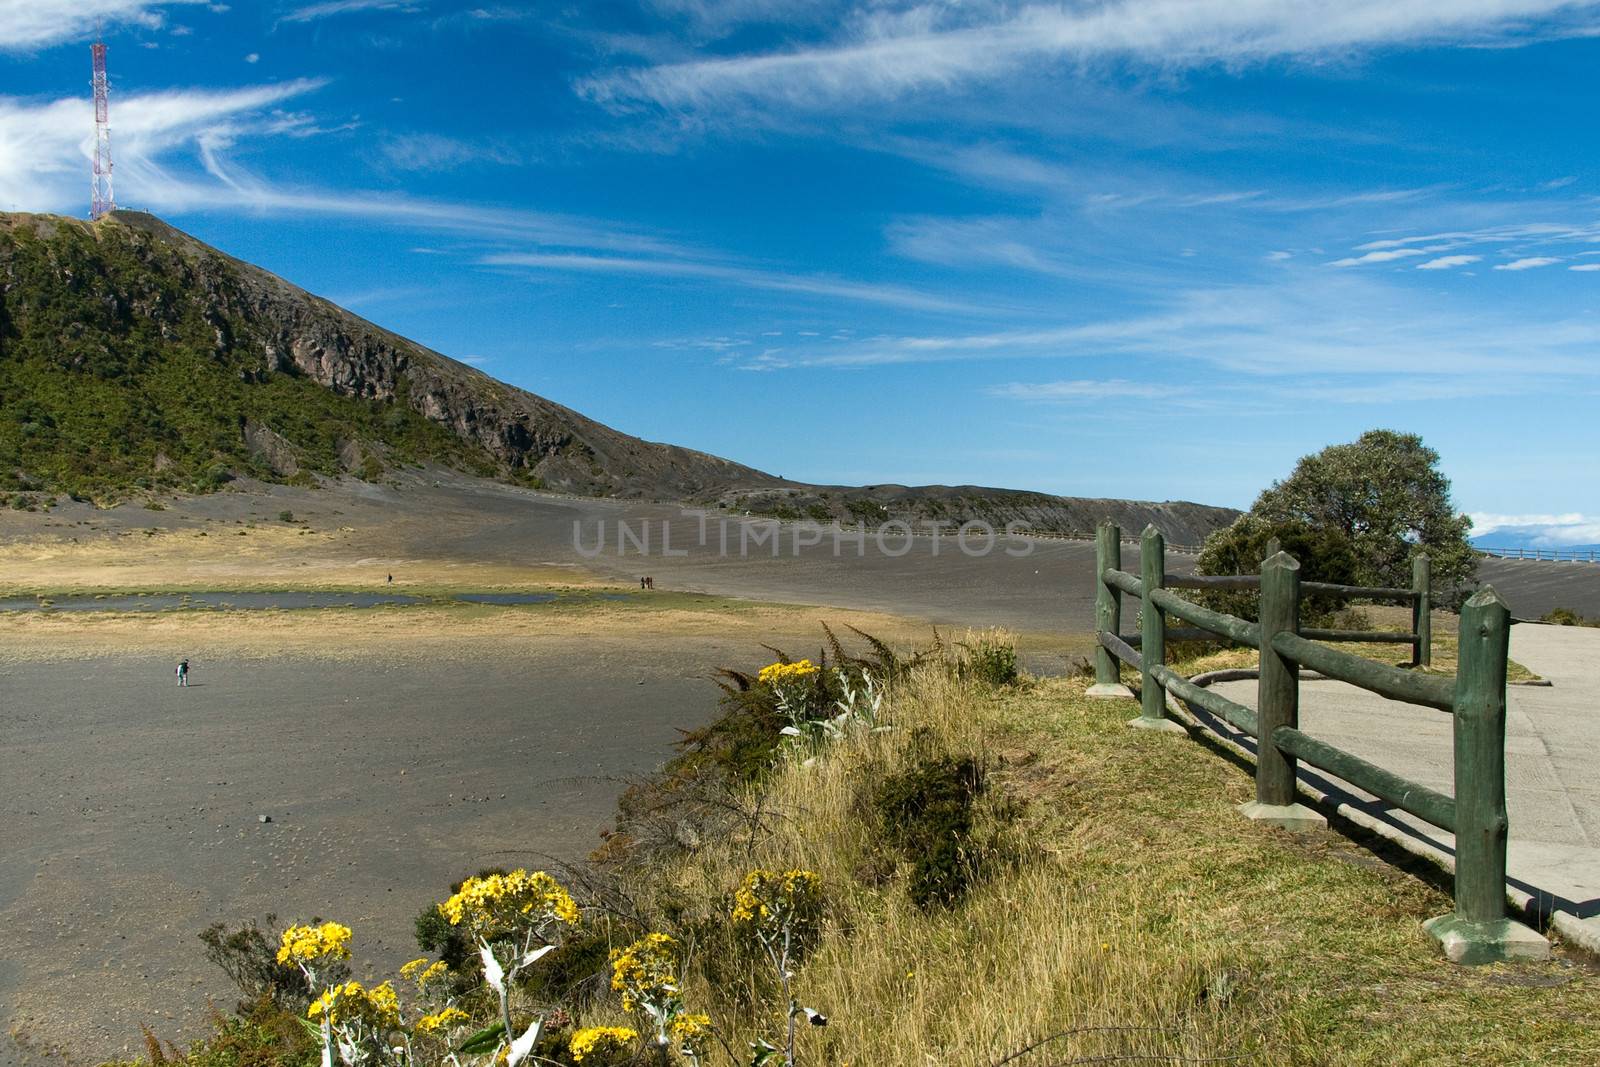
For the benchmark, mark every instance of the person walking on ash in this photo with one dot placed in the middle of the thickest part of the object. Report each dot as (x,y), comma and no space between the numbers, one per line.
(183,673)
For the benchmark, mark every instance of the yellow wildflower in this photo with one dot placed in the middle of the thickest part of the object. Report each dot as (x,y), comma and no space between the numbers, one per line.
(383,1005)
(436,972)
(646,972)
(353,1002)
(501,902)
(601,1041)
(409,970)
(314,944)
(775,674)
(440,1020)
(691,1032)
(768,898)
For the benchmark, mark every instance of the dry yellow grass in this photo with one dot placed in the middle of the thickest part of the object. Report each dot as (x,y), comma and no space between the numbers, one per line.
(243,558)
(1140,918)
(426,631)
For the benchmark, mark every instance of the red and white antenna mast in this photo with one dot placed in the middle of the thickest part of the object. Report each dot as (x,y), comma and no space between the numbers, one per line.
(101,201)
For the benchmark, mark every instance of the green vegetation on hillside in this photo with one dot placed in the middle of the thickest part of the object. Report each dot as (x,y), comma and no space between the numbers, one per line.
(116,375)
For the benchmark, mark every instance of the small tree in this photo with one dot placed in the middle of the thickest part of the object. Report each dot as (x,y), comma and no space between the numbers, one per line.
(1355,514)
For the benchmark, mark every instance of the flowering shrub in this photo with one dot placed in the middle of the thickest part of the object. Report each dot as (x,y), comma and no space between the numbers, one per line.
(784,674)
(502,905)
(350,1017)
(314,946)
(600,1042)
(691,1031)
(772,904)
(780,911)
(646,975)
(350,1004)
(516,920)
(440,1022)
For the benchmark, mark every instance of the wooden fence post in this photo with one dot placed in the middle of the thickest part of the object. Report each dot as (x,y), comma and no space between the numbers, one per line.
(1278,702)
(1107,612)
(1153,635)
(1478,931)
(1422,610)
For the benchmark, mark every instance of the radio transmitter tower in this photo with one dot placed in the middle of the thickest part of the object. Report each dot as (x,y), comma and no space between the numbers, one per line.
(102,201)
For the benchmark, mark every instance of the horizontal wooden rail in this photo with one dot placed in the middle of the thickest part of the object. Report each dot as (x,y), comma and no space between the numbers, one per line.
(1180,633)
(1359,592)
(1361,637)
(1215,703)
(1419,800)
(1235,629)
(1391,682)
(1126,582)
(1213,581)
(1253,581)
(1122,650)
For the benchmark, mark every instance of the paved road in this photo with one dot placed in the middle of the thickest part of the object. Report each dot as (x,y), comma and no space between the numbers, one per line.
(1533,588)
(1552,735)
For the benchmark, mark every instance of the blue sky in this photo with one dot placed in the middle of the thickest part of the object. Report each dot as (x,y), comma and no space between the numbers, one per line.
(1150,248)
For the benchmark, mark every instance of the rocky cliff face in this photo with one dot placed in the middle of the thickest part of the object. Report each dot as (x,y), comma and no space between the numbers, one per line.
(301,334)
(133,356)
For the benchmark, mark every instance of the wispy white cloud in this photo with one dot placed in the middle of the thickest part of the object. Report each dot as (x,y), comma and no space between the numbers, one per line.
(44,147)
(333,8)
(1306,325)
(1448,262)
(26,25)
(236,189)
(437,152)
(1081,390)
(747,277)
(1555,232)
(44,153)
(890,52)
(971,242)
(1258,394)
(1527,263)
(1585,267)
(1388,256)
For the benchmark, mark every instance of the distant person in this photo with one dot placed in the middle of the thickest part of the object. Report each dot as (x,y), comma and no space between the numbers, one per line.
(642,582)
(183,673)
(391,579)
(649,583)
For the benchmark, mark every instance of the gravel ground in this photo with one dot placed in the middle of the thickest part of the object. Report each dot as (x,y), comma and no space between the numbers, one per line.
(131,809)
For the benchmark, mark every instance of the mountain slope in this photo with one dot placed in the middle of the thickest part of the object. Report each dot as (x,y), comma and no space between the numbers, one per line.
(130,351)
(135,358)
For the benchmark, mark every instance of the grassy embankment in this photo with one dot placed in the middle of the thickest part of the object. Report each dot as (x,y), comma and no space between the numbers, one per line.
(1132,895)
(1108,904)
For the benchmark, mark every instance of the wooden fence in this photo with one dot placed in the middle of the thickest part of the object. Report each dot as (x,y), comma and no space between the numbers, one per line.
(1479,930)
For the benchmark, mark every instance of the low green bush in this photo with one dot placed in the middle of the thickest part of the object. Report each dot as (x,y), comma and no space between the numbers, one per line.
(1567,617)
(927,815)
(247,954)
(991,659)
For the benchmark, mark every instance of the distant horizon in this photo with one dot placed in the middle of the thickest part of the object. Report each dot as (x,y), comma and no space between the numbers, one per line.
(1111,250)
